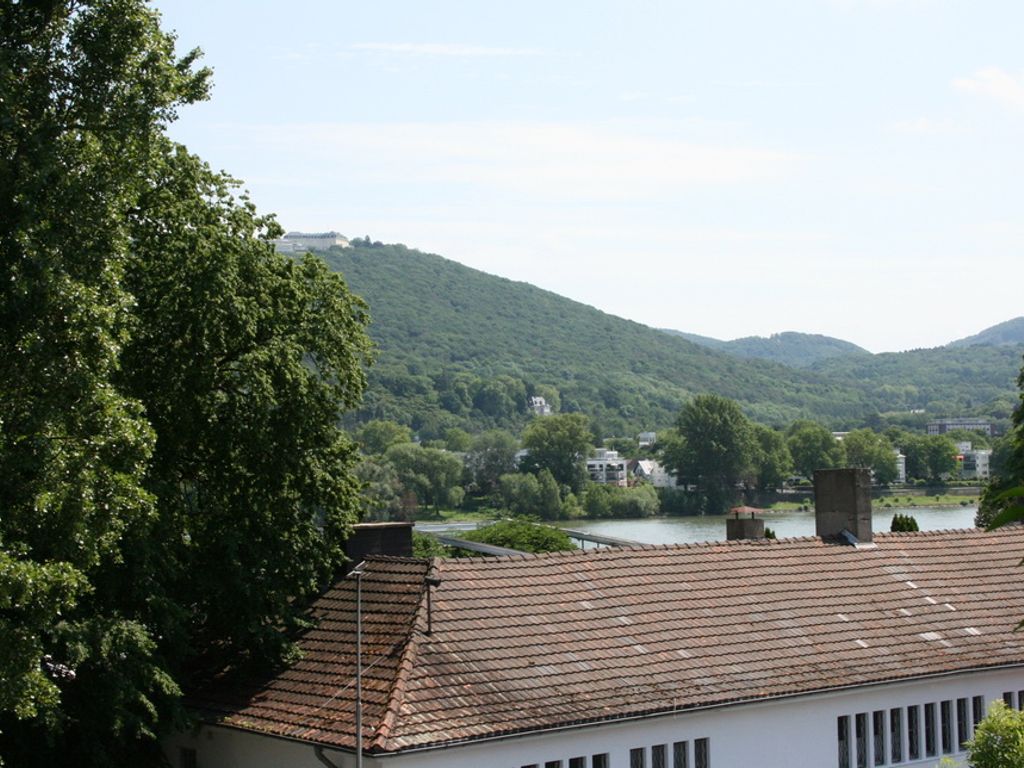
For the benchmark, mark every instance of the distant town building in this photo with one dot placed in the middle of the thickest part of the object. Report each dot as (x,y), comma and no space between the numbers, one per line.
(901,466)
(300,242)
(975,465)
(539,406)
(647,439)
(653,472)
(970,423)
(608,468)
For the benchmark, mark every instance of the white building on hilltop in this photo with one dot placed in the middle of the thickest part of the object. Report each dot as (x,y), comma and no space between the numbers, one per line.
(300,242)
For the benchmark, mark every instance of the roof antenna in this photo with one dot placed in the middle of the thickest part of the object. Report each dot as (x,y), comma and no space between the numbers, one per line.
(430,581)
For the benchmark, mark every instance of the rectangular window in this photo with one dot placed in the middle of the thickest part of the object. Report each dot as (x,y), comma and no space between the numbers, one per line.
(680,755)
(1020,699)
(913,733)
(963,723)
(878,732)
(701,753)
(896,735)
(577,762)
(599,761)
(1008,698)
(553,764)
(930,747)
(946,711)
(843,738)
(860,726)
(636,758)
(658,754)
(531,765)
(978,703)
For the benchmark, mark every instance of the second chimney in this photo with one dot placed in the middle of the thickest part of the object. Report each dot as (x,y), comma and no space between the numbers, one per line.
(842,502)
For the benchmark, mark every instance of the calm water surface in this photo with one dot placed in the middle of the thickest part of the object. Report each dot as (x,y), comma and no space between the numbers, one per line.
(688,530)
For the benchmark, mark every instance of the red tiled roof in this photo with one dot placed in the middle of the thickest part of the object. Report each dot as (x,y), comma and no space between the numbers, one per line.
(523,643)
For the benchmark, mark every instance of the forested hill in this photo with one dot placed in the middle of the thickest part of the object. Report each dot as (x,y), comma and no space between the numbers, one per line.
(1010,333)
(461,348)
(799,350)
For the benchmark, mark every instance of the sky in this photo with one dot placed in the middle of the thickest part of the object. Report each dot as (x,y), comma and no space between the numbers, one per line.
(846,167)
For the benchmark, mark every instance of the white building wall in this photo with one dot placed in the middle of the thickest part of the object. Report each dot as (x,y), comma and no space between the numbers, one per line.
(791,733)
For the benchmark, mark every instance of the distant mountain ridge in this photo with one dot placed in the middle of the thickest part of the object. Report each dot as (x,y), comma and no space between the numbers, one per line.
(797,350)
(459,348)
(1010,333)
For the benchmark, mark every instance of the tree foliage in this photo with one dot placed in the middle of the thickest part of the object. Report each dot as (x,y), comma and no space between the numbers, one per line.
(812,447)
(717,450)
(866,448)
(1003,500)
(522,535)
(173,474)
(560,444)
(998,740)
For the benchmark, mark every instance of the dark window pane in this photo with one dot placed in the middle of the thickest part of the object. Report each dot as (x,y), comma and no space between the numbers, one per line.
(930,746)
(599,761)
(913,733)
(680,755)
(963,724)
(979,709)
(861,734)
(878,732)
(701,753)
(658,753)
(1008,698)
(636,758)
(946,709)
(843,739)
(1020,699)
(553,764)
(577,762)
(896,735)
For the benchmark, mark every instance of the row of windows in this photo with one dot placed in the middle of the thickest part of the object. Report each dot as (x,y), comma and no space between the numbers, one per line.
(683,754)
(890,737)
(1008,699)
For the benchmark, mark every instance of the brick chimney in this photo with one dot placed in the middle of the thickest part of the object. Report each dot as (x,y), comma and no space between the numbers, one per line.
(743,524)
(842,504)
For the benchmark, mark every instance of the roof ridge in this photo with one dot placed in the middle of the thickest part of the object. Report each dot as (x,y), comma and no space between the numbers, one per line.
(396,695)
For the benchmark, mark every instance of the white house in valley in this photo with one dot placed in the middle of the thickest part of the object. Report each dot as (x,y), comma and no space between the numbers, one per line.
(608,468)
(814,652)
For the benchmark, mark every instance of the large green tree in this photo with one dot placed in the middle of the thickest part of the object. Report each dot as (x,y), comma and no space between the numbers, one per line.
(812,447)
(491,455)
(866,448)
(559,444)
(718,449)
(85,90)
(1003,500)
(772,460)
(173,476)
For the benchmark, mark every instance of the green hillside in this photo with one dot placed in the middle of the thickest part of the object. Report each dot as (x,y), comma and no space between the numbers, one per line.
(798,350)
(1010,333)
(945,381)
(460,348)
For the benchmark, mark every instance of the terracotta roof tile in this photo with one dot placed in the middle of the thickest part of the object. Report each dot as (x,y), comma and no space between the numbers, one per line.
(527,642)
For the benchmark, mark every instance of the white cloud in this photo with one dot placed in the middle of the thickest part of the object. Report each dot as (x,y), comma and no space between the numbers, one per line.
(996,84)
(444,49)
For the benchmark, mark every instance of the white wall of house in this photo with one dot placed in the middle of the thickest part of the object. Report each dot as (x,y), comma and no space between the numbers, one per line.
(801,732)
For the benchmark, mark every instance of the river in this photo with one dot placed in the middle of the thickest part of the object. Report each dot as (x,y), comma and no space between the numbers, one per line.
(688,530)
